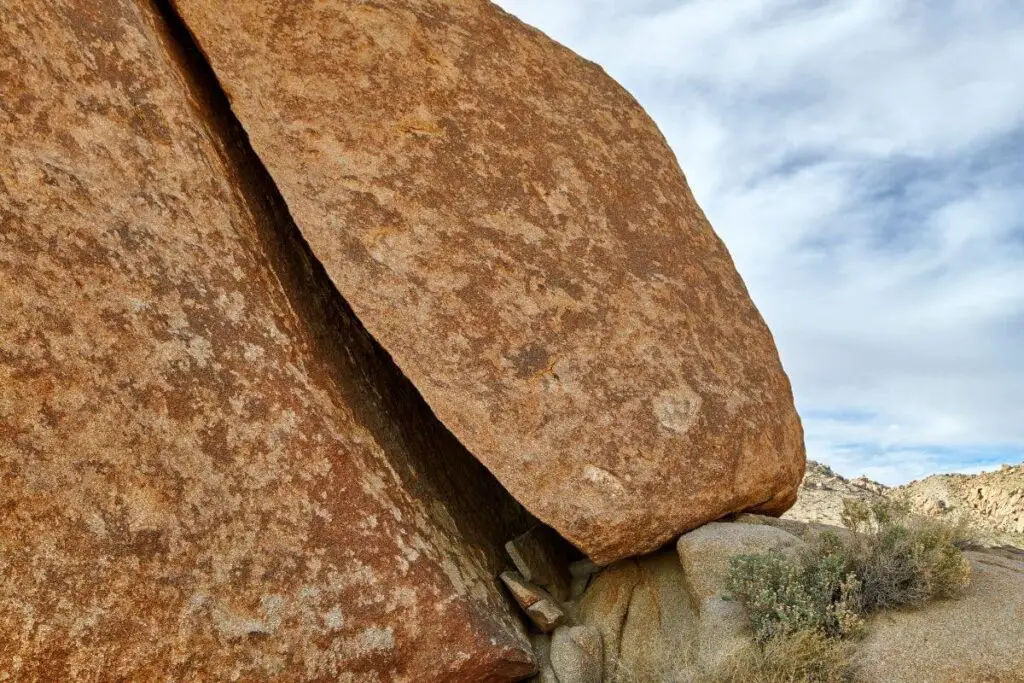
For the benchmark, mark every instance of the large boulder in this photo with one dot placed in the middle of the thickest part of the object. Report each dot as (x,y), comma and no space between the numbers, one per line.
(209,471)
(513,229)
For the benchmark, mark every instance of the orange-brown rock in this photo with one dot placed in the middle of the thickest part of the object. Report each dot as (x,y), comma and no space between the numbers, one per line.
(209,471)
(513,229)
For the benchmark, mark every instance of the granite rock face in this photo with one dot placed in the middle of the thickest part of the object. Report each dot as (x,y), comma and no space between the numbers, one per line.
(721,630)
(209,470)
(577,655)
(646,619)
(513,229)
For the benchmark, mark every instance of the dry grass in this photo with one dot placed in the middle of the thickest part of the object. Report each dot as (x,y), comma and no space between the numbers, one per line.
(804,656)
(987,677)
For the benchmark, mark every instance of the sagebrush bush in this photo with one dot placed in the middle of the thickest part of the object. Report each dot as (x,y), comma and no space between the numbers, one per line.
(814,591)
(903,560)
(801,656)
(890,559)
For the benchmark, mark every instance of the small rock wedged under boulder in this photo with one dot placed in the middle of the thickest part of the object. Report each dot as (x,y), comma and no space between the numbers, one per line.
(542,558)
(541,607)
(514,230)
(209,472)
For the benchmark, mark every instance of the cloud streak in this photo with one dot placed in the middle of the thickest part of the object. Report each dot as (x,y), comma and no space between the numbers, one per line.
(864,162)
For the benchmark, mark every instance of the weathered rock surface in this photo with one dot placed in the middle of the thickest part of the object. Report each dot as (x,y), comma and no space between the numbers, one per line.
(721,624)
(645,617)
(512,227)
(978,637)
(705,552)
(203,476)
(577,655)
(542,651)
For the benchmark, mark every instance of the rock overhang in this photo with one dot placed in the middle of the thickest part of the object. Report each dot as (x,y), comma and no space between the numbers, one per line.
(513,229)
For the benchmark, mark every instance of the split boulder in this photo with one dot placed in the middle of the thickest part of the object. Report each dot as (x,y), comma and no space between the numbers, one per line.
(514,230)
(209,471)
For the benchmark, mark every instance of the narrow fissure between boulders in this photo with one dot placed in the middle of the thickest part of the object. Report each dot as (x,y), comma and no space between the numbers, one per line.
(442,469)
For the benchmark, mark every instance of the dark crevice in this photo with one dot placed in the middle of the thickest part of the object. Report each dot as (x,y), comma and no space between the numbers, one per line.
(432,463)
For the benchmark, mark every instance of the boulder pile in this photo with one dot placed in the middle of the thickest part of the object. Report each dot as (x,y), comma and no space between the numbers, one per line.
(668,616)
(307,309)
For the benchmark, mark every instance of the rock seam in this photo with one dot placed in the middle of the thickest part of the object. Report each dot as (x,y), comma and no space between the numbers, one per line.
(445,470)
(311,292)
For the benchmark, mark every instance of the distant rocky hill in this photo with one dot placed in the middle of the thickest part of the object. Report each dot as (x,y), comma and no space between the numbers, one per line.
(991,503)
(823,491)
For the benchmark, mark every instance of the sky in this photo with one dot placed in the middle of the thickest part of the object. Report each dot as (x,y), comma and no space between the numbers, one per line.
(863,160)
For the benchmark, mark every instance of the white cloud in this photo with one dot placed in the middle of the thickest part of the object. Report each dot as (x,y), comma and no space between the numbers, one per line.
(864,162)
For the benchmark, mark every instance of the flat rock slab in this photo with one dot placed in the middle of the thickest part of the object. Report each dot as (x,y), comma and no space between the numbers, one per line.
(202,478)
(541,556)
(514,230)
(540,606)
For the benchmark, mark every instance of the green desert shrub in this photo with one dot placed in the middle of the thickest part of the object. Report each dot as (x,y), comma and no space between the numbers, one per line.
(786,594)
(801,656)
(801,603)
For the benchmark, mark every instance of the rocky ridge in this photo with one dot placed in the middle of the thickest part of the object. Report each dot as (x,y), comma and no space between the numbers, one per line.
(991,503)
(822,492)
